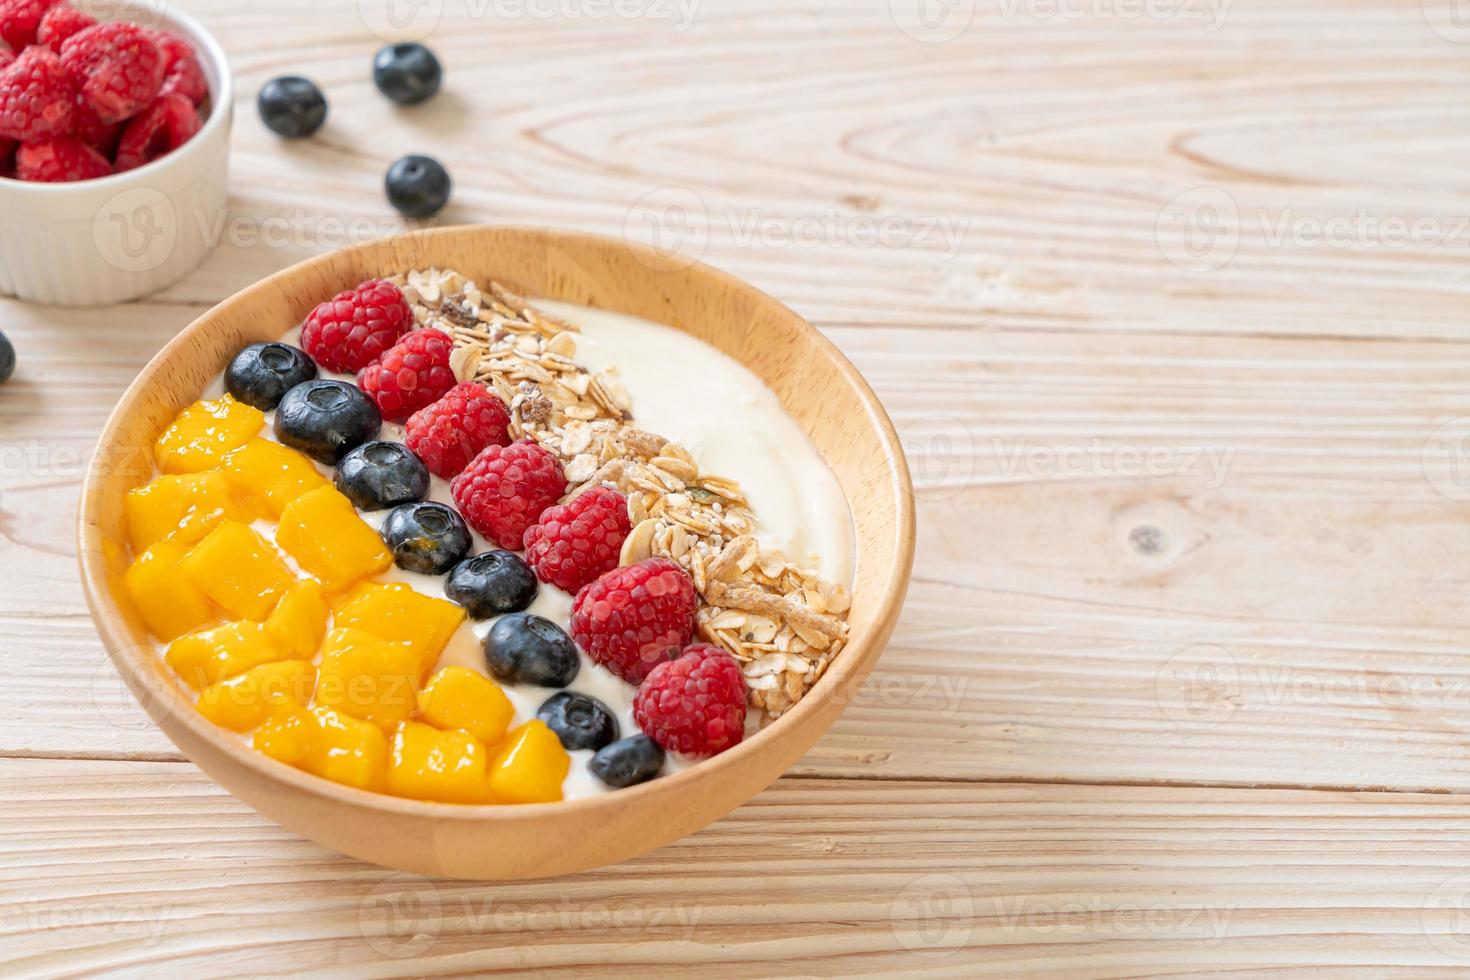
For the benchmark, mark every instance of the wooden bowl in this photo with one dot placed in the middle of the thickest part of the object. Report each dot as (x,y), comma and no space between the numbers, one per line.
(816,384)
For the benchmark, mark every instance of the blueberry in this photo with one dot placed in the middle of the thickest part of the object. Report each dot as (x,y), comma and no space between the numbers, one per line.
(261,374)
(492,584)
(579,721)
(376,475)
(428,538)
(292,107)
(407,73)
(418,187)
(526,649)
(7,359)
(326,419)
(629,762)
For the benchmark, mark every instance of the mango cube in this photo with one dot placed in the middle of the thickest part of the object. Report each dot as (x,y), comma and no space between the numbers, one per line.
(529,766)
(457,697)
(204,433)
(212,655)
(328,744)
(397,612)
(425,763)
(267,476)
(238,569)
(169,603)
(299,620)
(269,691)
(367,677)
(185,506)
(322,531)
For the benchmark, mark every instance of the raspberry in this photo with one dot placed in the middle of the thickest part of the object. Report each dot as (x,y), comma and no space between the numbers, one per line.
(36,97)
(7,58)
(410,375)
(455,429)
(575,543)
(59,159)
(504,490)
(60,23)
(7,157)
(634,618)
(352,329)
(694,705)
(181,70)
(158,130)
(91,130)
(116,67)
(19,20)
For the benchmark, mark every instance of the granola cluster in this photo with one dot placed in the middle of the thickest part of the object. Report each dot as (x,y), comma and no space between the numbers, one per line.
(783,623)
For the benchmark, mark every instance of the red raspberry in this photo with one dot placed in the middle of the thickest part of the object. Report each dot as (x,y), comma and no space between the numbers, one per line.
(59,159)
(36,96)
(575,543)
(411,375)
(60,23)
(694,705)
(352,329)
(634,618)
(505,488)
(7,58)
(455,429)
(181,70)
(116,66)
(157,131)
(19,20)
(7,157)
(91,130)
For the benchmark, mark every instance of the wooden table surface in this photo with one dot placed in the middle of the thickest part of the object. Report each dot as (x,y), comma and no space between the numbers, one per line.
(1169,300)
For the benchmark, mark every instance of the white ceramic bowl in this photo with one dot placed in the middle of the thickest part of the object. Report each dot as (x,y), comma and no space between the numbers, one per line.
(98,242)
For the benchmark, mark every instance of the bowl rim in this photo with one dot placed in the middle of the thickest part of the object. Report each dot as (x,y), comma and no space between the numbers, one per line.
(849,668)
(221,108)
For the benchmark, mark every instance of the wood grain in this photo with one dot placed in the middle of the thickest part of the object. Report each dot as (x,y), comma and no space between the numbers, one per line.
(1325,566)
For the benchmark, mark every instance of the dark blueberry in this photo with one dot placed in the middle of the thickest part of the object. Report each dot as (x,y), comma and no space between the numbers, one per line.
(526,649)
(292,107)
(376,475)
(633,760)
(7,359)
(492,584)
(429,538)
(261,374)
(326,419)
(579,721)
(407,73)
(418,187)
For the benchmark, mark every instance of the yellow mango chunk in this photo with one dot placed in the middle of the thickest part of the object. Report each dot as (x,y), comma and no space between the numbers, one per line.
(322,531)
(299,620)
(425,763)
(529,766)
(367,677)
(267,476)
(328,744)
(397,612)
(185,507)
(457,697)
(169,603)
(261,693)
(212,655)
(238,569)
(204,433)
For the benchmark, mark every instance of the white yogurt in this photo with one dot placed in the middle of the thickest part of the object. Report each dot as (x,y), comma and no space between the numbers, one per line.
(690,393)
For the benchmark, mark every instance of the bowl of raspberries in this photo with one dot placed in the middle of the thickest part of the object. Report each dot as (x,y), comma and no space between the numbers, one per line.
(114,132)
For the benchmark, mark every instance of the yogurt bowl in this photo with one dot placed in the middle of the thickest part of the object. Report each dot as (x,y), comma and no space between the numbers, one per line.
(822,397)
